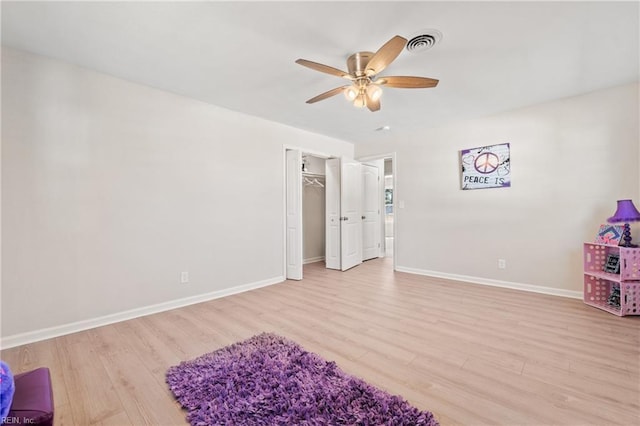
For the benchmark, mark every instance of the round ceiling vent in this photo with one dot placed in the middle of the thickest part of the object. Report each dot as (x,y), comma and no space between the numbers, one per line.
(425,40)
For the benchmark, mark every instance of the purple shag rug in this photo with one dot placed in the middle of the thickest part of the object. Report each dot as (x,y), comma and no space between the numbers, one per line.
(270,380)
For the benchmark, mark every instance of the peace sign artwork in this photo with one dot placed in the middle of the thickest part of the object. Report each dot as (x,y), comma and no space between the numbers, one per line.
(486,167)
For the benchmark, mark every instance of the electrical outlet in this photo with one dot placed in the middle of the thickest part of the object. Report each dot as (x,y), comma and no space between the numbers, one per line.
(502,264)
(184,277)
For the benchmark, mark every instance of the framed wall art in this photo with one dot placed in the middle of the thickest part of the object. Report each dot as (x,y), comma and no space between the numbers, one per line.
(486,167)
(609,234)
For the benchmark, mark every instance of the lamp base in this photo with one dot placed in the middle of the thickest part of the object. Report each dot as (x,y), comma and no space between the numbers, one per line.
(626,236)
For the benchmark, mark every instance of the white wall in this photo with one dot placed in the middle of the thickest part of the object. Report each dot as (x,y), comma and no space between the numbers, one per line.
(111,189)
(571,160)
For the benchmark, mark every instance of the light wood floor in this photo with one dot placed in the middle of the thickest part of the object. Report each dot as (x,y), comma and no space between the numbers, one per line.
(471,354)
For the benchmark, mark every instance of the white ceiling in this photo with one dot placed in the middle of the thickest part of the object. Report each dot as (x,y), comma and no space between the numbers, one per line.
(493,56)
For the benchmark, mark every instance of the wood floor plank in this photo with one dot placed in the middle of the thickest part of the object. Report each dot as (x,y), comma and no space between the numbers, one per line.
(88,384)
(474,355)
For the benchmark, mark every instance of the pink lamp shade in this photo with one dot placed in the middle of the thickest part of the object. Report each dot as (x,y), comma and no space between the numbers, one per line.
(626,212)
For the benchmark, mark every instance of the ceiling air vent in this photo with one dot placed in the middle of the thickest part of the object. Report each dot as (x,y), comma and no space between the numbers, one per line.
(425,40)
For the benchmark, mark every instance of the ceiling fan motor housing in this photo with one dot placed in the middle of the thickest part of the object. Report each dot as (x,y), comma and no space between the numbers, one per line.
(356,63)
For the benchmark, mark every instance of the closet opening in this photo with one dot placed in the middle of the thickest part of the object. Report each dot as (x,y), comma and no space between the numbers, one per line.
(304,209)
(313,208)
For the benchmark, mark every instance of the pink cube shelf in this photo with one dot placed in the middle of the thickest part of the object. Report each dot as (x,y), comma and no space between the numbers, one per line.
(597,291)
(595,256)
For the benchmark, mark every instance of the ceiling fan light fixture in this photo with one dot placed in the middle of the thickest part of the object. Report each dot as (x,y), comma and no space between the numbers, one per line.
(374,91)
(360,101)
(351,93)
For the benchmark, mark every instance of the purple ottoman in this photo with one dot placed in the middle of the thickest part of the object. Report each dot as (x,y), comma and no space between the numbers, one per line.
(33,401)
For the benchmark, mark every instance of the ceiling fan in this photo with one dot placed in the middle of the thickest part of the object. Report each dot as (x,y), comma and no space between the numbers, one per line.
(364,67)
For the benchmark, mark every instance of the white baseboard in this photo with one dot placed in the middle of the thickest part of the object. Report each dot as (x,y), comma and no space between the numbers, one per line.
(494,283)
(61,330)
(313,259)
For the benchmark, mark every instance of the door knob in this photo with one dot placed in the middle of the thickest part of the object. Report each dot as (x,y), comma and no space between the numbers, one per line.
(364,217)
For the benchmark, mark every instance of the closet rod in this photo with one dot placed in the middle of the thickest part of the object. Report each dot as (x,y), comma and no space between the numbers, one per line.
(315,175)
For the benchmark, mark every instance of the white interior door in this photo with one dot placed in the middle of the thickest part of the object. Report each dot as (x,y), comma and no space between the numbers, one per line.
(332,214)
(294,214)
(370,211)
(351,213)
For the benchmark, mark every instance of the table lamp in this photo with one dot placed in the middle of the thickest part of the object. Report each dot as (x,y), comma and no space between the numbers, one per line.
(625,213)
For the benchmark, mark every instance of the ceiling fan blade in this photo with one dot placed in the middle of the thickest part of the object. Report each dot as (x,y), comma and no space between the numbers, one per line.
(324,68)
(385,55)
(327,94)
(407,82)
(373,105)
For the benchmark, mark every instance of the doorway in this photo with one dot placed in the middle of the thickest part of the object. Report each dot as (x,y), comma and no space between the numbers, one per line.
(388,208)
(313,208)
(389,244)
(304,210)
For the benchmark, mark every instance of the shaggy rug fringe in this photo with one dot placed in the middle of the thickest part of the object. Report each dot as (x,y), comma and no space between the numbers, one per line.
(270,380)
